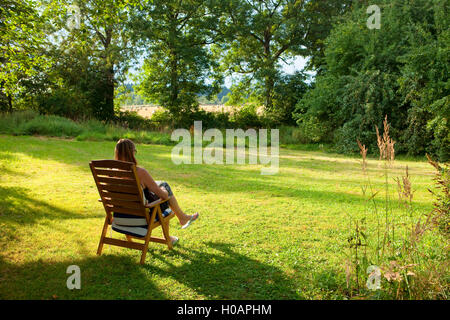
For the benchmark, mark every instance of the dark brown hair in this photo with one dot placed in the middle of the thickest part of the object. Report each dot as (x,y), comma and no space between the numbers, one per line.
(125,150)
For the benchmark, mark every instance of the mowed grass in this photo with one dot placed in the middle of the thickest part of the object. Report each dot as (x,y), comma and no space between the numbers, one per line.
(258,237)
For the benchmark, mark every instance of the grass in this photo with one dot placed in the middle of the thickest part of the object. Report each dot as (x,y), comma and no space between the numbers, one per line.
(258,237)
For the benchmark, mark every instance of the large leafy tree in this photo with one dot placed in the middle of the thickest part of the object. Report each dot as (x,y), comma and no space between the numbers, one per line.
(93,52)
(22,53)
(322,15)
(399,70)
(178,64)
(259,34)
(425,82)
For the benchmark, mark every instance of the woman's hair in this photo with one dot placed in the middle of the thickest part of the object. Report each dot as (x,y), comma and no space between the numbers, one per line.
(125,150)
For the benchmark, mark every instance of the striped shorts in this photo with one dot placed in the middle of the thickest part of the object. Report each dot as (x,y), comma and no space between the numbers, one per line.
(137,226)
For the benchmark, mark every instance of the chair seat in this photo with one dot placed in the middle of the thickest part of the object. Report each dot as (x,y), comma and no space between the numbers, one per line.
(133,225)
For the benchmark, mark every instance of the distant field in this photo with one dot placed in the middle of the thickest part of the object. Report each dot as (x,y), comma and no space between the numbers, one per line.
(147,111)
(258,237)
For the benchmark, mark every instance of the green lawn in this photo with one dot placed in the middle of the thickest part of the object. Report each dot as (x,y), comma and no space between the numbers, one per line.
(258,237)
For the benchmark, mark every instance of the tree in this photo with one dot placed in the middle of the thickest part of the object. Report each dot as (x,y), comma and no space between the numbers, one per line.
(400,70)
(425,82)
(322,15)
(258,35)
(178,65)
(94,53)
(21,48)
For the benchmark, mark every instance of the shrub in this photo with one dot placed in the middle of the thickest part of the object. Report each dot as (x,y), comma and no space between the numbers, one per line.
(50,126)
(130,119)
(247,117)
(162,118)
(9,122)
(94,126)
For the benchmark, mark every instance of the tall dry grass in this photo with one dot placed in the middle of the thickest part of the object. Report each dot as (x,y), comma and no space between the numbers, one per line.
(396,249)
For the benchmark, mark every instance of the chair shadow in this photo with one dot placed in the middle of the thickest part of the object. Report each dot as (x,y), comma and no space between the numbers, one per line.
(225,274)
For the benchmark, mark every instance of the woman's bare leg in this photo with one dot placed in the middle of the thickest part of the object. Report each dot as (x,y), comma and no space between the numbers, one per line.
(182,217)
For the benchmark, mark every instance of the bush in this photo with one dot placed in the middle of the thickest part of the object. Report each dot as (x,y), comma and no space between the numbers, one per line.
(9,122)
(50,126)
(65,103)
(288,91)
(162,118)
(94,126)
(31,123)
(130,119)
(212,119)
(247,117)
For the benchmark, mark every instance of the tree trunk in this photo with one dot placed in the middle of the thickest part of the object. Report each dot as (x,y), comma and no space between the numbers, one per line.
(10,106)
(108,107)
(109,93)
(268,79)
(174,103)
(269,92)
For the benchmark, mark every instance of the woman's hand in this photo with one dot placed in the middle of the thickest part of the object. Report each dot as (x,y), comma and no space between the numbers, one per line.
(166,193)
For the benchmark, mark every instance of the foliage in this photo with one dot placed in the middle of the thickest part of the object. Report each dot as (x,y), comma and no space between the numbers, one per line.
(400,70)
(57,64)
(97,49)
(393,255)
(22,44)
(288,90)
(258,35)
(441,193)
(322,15)
(177,64)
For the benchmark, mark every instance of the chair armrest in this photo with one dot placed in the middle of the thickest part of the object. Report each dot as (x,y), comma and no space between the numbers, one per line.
(151,204)
(156,202)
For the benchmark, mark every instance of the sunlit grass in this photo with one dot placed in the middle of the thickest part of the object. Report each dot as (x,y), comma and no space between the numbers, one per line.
(258,237)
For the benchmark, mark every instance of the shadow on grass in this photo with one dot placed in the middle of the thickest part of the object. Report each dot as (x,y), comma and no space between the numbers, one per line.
(219,273)
(223,273)
(211,179)
(18,209)
(102,277)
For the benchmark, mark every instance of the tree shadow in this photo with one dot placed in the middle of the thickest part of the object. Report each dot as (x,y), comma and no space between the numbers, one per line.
(225,274)
(219,273)
(18,209)
(107,277)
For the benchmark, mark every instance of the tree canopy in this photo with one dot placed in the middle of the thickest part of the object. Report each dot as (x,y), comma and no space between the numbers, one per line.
(74,58)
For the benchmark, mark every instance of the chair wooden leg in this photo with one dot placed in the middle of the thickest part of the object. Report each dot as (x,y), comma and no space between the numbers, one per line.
(144,252)
(105,229)
(165,228)
(147,240)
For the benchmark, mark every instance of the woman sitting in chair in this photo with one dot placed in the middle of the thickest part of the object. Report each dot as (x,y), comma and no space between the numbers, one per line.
(125,151)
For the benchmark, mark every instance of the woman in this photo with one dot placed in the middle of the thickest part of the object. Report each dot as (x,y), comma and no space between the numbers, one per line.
(126,151)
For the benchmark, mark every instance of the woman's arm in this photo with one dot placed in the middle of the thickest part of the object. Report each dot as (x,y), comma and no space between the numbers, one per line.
(147,180)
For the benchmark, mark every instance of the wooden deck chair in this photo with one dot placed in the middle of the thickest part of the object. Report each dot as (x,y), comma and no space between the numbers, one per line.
(121,193)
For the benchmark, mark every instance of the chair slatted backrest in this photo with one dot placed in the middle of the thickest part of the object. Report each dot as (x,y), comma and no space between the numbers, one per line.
(119,187)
